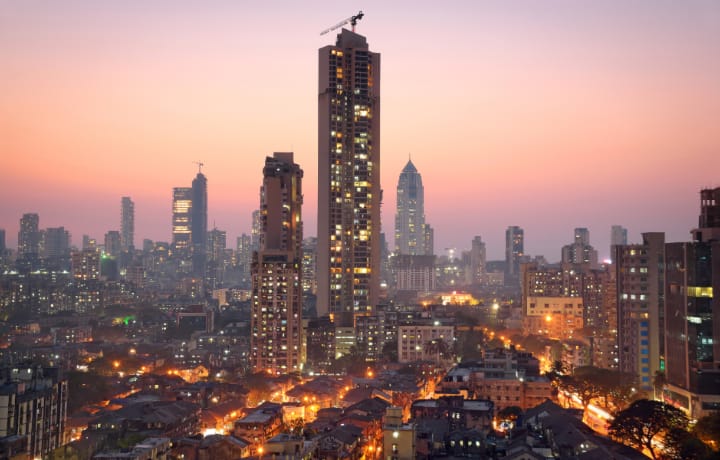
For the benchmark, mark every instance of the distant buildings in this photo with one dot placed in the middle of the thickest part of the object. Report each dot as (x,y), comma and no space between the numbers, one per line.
(579,252)
(349,194)
(276,321)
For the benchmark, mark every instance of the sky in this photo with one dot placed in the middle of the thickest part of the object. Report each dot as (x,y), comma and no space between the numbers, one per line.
(548,115)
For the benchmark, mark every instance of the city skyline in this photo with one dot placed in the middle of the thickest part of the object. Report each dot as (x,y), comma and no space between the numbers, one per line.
(602,113)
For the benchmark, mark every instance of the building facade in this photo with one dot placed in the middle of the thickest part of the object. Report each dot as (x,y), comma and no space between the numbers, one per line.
(692,327)
(181,219)
(33,406)
(349,191)
(276,321)
(640,277)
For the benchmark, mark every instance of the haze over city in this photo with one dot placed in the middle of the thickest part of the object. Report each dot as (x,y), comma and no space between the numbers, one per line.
(546,115)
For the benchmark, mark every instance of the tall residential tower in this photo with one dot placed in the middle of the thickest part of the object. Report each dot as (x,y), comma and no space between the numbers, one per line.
(127,224)
(198,223)
(349,194)
(692,318)
(276,322)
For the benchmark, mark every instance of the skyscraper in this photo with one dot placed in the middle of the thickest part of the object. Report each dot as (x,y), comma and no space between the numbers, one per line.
(349,193)
(127,224)
(181,216)
(514,250)
(410,216)
(198,223)
(29,241)
(276,320)
(692,329)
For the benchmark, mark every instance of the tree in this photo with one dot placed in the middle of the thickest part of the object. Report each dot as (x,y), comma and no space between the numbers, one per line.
(390,352)
(584,383)
(511,413)
(680,444)
(438,348)
(644,422)
(707,429)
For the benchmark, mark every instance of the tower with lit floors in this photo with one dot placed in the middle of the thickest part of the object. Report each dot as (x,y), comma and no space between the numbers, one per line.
(349,194)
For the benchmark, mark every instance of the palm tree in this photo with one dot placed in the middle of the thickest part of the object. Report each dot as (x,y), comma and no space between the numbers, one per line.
(438,347)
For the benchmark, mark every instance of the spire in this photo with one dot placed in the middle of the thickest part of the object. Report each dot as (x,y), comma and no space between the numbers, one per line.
(409,167)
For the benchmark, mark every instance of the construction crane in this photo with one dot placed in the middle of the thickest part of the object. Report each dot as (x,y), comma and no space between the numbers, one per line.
(352,20)
(200,165)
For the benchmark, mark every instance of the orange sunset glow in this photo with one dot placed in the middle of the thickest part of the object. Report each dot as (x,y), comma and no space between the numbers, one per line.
(548,115)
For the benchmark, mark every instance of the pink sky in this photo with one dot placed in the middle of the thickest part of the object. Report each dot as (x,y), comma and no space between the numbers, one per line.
(548,115)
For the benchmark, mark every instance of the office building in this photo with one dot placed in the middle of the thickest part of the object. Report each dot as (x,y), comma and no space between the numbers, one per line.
(127,224)
(276,319)
(640,276)
(181,219)
(349,193)
(410,231)
(692,330)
